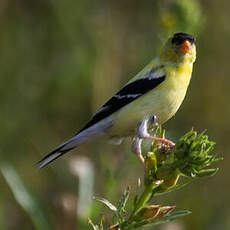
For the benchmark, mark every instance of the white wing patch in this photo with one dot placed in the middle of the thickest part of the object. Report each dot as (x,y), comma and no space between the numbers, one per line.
(127,96)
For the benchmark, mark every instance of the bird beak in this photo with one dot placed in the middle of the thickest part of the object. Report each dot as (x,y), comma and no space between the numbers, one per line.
(185,47)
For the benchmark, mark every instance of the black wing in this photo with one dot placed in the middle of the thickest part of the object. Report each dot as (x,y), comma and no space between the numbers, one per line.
(125,96)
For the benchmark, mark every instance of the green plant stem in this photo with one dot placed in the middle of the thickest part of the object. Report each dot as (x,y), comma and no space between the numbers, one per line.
(190,158)
(145,196)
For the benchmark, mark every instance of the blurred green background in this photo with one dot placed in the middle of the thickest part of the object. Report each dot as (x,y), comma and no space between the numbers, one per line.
(60,61)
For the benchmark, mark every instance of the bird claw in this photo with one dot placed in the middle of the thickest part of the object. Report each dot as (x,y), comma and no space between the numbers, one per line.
(162,140)
(142,133)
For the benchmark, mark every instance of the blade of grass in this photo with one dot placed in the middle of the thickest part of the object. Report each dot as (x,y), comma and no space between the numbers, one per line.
(24,197)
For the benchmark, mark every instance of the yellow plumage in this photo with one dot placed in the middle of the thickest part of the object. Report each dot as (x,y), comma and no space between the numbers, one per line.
(165,99)
(159,89)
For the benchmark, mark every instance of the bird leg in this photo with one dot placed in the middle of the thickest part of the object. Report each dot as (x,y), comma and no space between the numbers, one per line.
(142,131)
(136,148)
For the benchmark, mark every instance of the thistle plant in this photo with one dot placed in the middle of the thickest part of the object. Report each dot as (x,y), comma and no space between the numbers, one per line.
(190,157)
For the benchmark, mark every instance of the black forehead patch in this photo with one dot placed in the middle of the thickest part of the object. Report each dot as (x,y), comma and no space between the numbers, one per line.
(179,38)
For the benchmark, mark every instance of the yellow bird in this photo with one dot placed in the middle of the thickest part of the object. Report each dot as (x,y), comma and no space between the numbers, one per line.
(154,93)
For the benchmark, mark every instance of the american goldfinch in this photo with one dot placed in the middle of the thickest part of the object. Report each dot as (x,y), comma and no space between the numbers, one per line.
(154,93)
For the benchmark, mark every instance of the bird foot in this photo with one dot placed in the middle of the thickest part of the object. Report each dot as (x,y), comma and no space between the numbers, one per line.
(162,140)
(142,133)
(139,155)
(136,148)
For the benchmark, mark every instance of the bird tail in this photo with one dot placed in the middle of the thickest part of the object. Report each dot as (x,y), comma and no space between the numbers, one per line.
(95,131)
(59,151)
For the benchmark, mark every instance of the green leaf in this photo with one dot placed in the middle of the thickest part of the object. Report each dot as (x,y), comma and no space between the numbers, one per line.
(117,218)
(215,160)
(107,203)
(172,216)
(193,153)
(172,188)
(95,227)
(101,223)
(123,201)
(207,172)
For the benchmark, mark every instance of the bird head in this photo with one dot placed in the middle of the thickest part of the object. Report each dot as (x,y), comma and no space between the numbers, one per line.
(179,48)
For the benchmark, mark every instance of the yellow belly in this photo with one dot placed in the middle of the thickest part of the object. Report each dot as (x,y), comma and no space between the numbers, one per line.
(163,101)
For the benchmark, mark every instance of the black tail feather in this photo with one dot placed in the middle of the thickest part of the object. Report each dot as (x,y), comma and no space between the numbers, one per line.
(52,156)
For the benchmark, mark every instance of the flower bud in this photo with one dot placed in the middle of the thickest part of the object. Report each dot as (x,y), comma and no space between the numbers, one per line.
(168,175)
(151,161)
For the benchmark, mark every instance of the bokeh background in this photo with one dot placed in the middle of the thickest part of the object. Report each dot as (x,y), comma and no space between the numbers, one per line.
(60,61)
